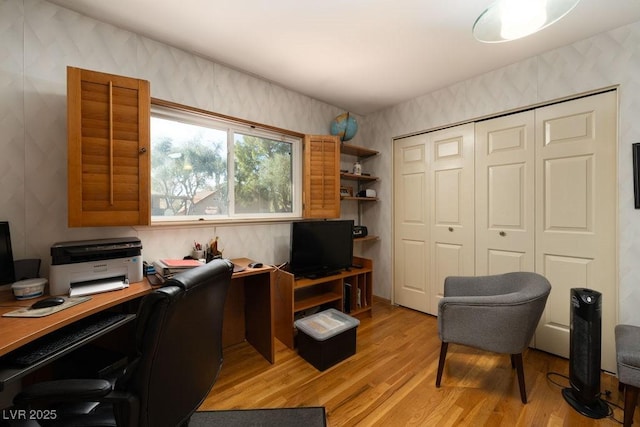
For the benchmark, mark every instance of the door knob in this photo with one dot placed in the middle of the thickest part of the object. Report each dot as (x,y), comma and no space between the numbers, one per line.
(450,228)
(502,233)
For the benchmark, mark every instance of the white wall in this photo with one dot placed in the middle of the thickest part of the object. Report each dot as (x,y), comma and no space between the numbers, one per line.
(38,40)
(608,59)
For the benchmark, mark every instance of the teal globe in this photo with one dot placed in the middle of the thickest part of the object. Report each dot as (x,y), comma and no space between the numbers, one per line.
(344,126)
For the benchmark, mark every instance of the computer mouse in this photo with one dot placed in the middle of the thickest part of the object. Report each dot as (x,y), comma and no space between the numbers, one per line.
(255,265)
(47,302)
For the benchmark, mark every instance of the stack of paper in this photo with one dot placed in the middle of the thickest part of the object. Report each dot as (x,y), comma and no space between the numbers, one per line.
(167,267)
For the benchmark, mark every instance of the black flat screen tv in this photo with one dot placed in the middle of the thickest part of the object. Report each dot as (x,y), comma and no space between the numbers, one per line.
(7,273)
(321,248)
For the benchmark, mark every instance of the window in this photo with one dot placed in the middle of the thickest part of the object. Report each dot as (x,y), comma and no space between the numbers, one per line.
(204,167)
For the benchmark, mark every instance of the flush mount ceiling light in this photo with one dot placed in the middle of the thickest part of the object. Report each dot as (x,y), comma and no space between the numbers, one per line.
(508,20)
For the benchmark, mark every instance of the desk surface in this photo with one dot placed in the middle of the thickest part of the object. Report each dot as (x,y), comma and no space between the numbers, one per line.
(18,331)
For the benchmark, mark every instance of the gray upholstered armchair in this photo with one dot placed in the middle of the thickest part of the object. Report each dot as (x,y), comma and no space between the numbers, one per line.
(494,313)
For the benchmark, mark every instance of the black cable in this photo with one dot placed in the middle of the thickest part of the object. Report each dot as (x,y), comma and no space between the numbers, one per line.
(611,405)
(607,393)
(549,374)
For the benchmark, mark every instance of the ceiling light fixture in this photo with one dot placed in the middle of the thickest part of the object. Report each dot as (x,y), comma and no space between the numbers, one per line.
(508,20)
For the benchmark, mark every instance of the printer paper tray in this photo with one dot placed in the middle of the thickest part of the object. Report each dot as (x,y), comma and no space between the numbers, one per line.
(97,286)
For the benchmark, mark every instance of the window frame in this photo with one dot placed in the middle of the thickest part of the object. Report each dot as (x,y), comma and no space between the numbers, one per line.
(232,125)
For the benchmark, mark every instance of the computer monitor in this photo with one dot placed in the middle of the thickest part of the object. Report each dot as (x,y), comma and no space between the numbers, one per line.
(7,273)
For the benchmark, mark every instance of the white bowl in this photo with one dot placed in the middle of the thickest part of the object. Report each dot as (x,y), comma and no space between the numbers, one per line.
(29,288)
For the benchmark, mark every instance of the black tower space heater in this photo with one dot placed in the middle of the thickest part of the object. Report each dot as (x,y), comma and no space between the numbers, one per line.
(584,354)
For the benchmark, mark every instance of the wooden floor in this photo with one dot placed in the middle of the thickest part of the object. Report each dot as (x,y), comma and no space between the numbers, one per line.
(390,381)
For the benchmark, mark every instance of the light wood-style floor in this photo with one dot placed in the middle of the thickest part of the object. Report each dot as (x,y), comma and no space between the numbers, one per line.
(390,381)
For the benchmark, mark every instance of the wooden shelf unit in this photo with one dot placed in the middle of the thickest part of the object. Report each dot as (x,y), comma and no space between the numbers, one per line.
(294,296)
(362,181)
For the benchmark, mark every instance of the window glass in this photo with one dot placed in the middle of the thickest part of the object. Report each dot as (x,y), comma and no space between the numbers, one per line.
(207,168)
(262,175)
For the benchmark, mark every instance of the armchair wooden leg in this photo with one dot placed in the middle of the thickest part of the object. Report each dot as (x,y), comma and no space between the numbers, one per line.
(443,355)
(513,362)
(517,360)
(630,399)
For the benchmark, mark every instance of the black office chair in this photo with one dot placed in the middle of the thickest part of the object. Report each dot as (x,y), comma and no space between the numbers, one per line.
(177,360)
(28,268)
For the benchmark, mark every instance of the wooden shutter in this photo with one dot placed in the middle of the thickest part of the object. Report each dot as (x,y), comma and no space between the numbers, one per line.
(321,176)
(108,125)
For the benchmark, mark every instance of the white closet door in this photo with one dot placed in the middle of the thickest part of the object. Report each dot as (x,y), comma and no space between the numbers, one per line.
(451,203)
(576,193)
(505,194)
(411,223)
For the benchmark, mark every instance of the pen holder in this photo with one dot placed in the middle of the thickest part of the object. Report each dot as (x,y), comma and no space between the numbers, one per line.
(197,254)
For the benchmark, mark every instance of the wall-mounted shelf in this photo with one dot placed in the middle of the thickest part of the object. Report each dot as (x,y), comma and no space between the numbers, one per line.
(362,199)
(354,150)
(354,177)
(362,182)
(365,239)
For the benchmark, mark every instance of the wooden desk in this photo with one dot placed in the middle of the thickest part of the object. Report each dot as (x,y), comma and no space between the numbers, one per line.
(249,309)
(248,312)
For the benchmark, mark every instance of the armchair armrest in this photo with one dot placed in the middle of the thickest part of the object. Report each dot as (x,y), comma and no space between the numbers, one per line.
(498,323)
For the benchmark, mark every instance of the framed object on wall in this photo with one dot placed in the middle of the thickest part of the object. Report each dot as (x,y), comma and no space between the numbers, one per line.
(636,174)
(346,191)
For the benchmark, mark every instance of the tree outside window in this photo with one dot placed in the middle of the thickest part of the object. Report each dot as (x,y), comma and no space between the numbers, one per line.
(190,174)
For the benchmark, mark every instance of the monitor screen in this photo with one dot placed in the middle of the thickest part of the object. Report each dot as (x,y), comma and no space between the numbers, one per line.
(7,274)
(321,248)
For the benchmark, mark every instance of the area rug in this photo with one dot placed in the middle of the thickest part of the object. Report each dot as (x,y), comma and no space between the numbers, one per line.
(280,417)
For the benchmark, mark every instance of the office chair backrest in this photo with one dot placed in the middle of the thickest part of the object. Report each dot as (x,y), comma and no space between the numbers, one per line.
(179,345)
(26,268)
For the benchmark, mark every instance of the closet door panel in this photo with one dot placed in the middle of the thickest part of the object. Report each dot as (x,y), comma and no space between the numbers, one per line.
(506,205)
(411,224)
(505,194)
(452,207)
(576,214)
(505,261)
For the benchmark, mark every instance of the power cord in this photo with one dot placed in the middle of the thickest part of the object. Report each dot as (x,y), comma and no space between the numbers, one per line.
(606,393)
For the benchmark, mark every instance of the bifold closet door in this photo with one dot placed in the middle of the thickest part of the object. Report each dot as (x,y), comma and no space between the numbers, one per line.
(505,194)
(433,214)
(576,232)
(451,200)
(411,223)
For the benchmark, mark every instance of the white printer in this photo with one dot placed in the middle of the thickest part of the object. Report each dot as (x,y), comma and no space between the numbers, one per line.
(91,266)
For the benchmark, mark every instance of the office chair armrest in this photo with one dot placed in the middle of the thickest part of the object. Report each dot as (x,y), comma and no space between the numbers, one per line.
(64,390)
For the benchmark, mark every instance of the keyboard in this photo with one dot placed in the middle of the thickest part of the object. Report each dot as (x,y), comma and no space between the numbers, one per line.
(63,338)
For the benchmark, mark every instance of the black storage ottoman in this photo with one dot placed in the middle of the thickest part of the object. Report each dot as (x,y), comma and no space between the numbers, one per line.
(326,338)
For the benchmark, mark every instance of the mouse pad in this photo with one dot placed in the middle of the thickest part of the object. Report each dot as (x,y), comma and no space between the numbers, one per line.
(41,312)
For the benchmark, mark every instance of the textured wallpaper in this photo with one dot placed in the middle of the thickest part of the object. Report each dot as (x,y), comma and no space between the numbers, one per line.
(38,40)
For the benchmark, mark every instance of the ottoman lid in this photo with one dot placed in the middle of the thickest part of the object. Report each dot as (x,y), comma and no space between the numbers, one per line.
(326,324)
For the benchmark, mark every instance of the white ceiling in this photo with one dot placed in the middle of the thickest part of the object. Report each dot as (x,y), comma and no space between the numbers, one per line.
(359,55)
